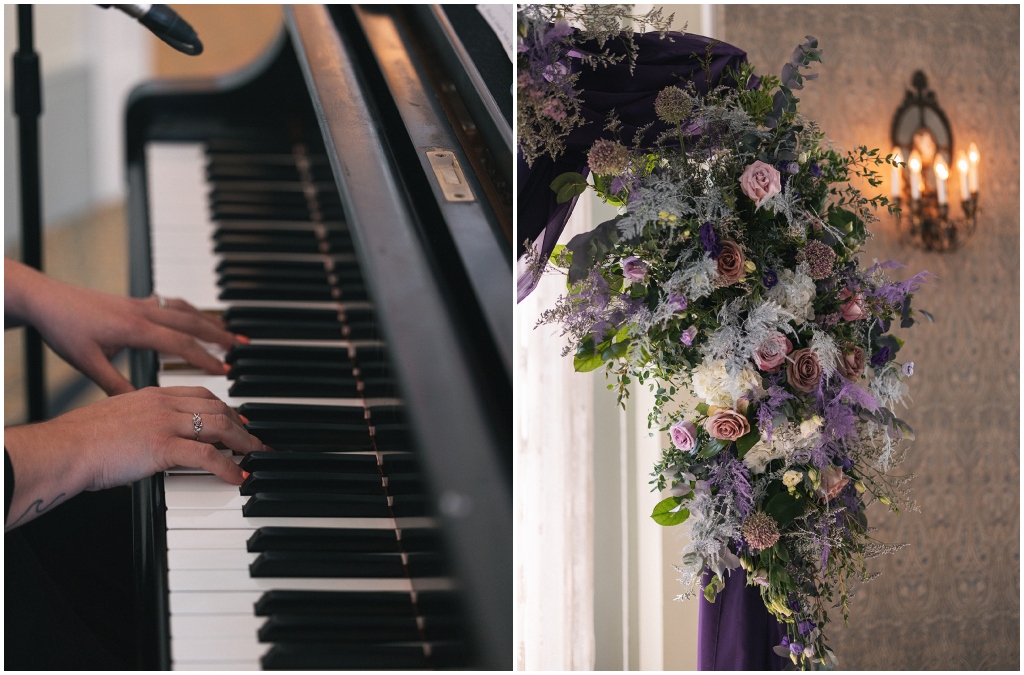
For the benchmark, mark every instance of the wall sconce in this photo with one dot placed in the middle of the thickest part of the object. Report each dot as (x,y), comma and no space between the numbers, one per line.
(922,138)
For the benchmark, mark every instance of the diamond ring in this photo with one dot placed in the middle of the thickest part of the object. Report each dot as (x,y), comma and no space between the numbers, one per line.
(161,301)
(197,424)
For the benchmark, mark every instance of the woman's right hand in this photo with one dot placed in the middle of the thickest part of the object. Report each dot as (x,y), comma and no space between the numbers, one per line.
(120,440)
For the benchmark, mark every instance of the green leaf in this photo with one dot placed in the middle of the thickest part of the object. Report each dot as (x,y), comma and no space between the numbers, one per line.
(615,351)
(667,512)
(556,251)
(587,357)
(746,442)
(784,508)
(781,552)
(702,408)
(568,185)
(712,448)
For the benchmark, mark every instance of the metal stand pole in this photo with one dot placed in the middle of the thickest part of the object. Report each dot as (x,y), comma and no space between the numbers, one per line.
(28,105)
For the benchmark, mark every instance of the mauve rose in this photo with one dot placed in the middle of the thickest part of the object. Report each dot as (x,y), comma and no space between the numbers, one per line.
(803,371)
(760,182)
(727,425)
(634,268)
(833,480)
(730,262)
(684,435)
(851,362)
(853,308)
(770,356)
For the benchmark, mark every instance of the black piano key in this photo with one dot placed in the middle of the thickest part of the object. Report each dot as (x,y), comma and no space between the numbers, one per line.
(220,172)
(410,506)
(288,195)
(288,368)
(265,274)
(298,330)
(257,243)
(318,482)
(313,292)
(387,414)
(405,484)
(390,464)
(286,412)
(377,387)
(388,436)
(330,656)
(294,266)
(356,629)
(316,506)
(373,603)
(334,539)
(285,386)
(328,564)
(288,353)
(309,461)
(352,436)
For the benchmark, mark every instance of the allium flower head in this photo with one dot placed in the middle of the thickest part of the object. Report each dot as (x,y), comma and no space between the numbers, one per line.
(673,105)
(608,158)
(760,530)
(820,259)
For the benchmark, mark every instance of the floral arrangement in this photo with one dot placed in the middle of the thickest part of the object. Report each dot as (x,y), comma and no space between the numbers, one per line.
(731,274)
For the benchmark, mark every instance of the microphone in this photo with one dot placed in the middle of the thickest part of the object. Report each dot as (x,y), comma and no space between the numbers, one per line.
(165,23)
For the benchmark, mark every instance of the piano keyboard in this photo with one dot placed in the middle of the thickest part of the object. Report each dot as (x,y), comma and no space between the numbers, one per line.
(327,556)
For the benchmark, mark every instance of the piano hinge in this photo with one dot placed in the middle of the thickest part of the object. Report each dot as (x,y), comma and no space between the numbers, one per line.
(449,176)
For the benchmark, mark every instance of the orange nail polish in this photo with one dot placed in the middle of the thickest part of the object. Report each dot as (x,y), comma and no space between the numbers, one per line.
(245,420)
(227,367)
(242,339)
(245,474)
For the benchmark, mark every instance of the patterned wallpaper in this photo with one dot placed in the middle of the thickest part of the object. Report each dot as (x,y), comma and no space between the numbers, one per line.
(950,600)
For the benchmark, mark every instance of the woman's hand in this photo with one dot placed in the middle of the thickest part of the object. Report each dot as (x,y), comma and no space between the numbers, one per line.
(119,440)
(88,328)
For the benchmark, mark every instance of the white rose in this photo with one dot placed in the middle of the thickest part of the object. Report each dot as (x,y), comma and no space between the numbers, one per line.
(810,426)
(795,292)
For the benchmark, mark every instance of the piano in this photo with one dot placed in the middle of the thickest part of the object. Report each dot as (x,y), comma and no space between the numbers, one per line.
(345,203)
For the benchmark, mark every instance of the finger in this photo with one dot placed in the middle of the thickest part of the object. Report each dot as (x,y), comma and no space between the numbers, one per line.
(174,342)
(183,452)
(182,306)
(101,371)
(205,406)
(191,323)
(188,392)
(218,428)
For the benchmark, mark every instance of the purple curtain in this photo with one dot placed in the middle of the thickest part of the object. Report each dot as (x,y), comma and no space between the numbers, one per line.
(660,63)
(736,632)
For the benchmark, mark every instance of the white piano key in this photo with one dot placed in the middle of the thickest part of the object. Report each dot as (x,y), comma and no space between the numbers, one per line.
(252,664)
(216,649)
(219,386)
(237,602)
(202,519)
(185,626)
(207,492)
(239,580)
(209,559)
(208,539)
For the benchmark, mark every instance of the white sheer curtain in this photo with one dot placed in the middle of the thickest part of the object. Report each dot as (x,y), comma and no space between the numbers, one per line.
(554,570)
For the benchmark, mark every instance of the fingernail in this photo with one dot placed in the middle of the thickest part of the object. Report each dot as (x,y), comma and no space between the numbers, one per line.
(242,339)
(227,367)
(245,474)
(267,448)
(245,420)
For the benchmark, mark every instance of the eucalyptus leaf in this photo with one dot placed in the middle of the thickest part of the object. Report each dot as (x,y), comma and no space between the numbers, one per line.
(702,408)
(568,185)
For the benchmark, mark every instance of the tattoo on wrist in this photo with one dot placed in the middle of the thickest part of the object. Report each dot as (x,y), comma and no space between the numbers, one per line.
(39,508)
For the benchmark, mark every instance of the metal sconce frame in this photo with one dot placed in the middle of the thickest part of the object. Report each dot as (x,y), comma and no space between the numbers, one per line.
(921,125)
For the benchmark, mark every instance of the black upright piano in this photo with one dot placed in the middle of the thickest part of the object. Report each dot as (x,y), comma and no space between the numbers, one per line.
(345,203)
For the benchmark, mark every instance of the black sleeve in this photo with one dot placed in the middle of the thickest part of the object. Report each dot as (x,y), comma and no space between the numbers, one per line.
(8,483)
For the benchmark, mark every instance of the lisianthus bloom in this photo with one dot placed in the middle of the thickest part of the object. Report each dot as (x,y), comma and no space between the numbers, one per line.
(634,268)
(677,301)
(684,435)
(687,337)
(760,182)
(852,307)
(908,368)
(792,478)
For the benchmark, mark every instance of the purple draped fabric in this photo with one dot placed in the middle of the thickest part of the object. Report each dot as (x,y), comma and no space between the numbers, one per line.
(660,63)
(736,632)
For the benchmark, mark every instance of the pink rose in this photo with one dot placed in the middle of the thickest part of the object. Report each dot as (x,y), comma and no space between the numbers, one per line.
(770,356)
(803,371)
(760,182)
(851,362)
(853,308)
(684,435)
(727,425)
(832,482)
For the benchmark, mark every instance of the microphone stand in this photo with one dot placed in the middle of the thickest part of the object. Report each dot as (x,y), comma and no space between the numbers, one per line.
(28,106)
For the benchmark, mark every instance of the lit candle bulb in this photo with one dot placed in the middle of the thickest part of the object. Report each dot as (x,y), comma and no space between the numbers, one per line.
(972,174)
(941,174)
(963,166)
(915,175)
(897,174)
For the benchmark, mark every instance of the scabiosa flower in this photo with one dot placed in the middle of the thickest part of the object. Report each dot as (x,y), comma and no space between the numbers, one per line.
(770,278)
(710,240)
(673,105)
(814,169)
(679,303)
(760,530)
(881,357)
(820,259)
(908,368)
(608,158)
(687,337)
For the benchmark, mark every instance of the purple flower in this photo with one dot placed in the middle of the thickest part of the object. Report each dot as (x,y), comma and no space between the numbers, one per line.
(908,368)
(687,337)
(791,168)
(684,435)
(805,627)
(785,641)
(796,647)
(710,240)
(679,302)
(634,268)
(881,357)
(846,463)
(770,279)
(555,71)
(814,169)
(559,29)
